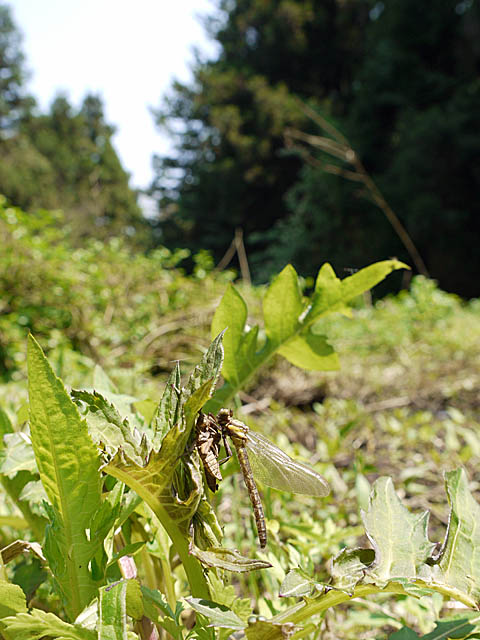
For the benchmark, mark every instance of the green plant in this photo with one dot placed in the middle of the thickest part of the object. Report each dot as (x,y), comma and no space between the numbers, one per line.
(111,513)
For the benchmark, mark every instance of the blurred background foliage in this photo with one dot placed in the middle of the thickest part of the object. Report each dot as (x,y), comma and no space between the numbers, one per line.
(399,80)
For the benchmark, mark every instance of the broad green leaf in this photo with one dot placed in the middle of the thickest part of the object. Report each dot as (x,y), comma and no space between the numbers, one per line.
(282,306)
(459,563)
(147,409)
(398,537)
(68,464)
(227,559)
(12,599)
(230,315)
(218,615)
(112,612)
(459,628)
(38,624)
(311,352)
(331,293)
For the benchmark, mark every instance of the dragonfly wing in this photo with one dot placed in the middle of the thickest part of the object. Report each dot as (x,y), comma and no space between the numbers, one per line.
(273,467)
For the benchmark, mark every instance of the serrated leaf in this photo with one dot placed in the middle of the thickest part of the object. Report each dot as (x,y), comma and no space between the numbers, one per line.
(297,585)
(460,556)
(227,559)
(230,315)
(218,615)
(349,567)
(107,426)
(68,464)
(282,306)
(398,537)
(311,352)
(167,413)
(38,624)
(208,368)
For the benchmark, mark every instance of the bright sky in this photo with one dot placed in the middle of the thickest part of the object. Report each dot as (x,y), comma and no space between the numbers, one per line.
(129,52)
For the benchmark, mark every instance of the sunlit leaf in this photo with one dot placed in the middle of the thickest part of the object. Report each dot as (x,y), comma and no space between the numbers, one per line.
(230,315)
(310,352)
(459,563)
(398,537)
(218,615)
(282,306)
(68,464)
(227,559)
(39,624)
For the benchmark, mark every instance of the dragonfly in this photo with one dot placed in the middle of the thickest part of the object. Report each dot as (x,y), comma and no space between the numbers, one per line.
(264,462)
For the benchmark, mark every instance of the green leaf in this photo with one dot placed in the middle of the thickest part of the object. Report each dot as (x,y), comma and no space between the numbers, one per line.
(102,381)
(459,628)
(167,413)
(218,615)
(227,559)
(297,585)
(108,427)
(282,306)
(349,567)
(460,556)
(112,612)
(311,352)
(18,454)
(5,426)
(331,293)
(12,599)
(68,464)
(208,368)
(398,537)
(404,634)
(39,624)
(230,315)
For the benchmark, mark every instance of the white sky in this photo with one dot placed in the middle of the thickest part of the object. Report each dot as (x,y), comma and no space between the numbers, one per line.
(128,51)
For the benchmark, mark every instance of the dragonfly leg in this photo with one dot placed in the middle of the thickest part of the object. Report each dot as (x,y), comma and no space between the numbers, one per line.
(228,450)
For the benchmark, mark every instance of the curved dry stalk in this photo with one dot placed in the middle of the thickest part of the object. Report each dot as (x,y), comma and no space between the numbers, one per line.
(338,146)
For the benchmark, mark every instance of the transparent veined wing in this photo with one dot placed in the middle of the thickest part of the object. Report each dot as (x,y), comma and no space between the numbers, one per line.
(273,467)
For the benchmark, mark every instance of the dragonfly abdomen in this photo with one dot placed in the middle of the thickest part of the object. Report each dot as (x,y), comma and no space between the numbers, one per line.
(252,491)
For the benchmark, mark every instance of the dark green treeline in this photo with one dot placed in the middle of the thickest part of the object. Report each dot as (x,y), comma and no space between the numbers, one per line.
(399,79)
